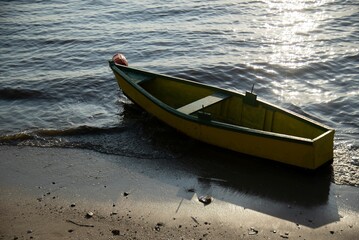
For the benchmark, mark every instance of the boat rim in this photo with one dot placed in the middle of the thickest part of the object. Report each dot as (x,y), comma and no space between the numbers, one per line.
(213,123)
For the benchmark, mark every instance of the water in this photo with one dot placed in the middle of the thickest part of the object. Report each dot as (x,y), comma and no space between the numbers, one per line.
(57,90)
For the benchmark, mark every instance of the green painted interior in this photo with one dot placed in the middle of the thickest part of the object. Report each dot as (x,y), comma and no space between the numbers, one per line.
(232,110)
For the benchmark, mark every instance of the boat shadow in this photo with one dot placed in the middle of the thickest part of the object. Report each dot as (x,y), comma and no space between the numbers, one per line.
(300,196)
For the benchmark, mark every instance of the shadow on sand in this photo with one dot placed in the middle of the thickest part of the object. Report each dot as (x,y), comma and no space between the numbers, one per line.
(286,192)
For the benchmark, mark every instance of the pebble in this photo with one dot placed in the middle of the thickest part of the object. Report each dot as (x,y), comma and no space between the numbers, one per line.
(205,199)
(158,226)
(355,161)
(252,231)
(116,232)
(125,194)
(89,215)
(73,205)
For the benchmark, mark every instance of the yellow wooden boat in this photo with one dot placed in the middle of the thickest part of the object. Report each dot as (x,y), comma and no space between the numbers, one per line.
(228,119)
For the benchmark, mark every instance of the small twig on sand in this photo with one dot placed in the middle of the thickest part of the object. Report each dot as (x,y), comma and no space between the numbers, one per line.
(79,224)
(195,220)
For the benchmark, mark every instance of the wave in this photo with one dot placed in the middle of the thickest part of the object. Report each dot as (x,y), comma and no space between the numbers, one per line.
(139,139)
(16,93)
(40,133)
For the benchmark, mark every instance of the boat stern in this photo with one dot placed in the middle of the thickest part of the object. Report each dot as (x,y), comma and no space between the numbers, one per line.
(323,148)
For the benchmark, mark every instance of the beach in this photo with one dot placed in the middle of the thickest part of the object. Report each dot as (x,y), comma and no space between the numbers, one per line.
(79,160)
(53,193)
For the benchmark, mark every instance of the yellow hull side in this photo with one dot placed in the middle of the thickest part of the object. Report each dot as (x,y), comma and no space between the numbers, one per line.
(308,155)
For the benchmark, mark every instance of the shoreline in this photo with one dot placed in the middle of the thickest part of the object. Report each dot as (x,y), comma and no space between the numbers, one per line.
(46,193)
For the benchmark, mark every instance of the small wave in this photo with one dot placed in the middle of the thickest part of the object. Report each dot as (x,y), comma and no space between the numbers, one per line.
(133,140)
(81,130)
(14,94)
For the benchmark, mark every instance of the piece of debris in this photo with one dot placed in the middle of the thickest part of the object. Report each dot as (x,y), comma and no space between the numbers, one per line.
(205,199)
(89,215)
(158,226)
(284,235)
(252,231)
(125,194)
(331,232)
(73,205)
(191,190)
(115,232)
(195,220)
(79,224)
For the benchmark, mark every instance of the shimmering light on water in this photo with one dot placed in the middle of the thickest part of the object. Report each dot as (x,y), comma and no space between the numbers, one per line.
(288,30)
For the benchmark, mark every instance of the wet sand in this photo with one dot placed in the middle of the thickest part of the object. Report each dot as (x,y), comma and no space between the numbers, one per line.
(47,193)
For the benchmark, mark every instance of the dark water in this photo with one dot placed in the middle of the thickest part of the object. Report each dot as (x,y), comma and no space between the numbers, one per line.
(56,88)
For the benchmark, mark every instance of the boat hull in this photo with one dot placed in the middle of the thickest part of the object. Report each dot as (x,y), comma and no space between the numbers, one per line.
(301,152)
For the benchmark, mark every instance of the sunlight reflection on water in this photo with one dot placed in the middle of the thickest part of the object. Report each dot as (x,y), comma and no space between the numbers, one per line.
(288,29)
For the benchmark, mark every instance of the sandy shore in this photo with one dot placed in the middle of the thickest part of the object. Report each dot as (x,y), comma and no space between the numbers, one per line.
(48,193)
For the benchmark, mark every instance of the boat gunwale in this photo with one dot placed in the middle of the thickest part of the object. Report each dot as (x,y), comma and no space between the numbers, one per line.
(218,124)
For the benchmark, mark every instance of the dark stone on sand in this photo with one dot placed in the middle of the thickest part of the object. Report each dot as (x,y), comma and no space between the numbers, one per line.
(73,205)
(116,232)
(331,232)
(205,199)
(158,226)
(125,194)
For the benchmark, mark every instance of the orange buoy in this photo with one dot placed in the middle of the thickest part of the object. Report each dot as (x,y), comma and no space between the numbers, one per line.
(120,59)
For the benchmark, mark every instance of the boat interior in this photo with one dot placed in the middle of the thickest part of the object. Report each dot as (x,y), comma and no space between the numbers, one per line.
(211,104)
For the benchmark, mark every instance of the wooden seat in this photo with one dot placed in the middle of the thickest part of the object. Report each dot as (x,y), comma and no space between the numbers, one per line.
(202,103)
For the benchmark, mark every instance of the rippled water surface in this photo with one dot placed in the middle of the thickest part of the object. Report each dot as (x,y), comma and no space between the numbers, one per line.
(56,88)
